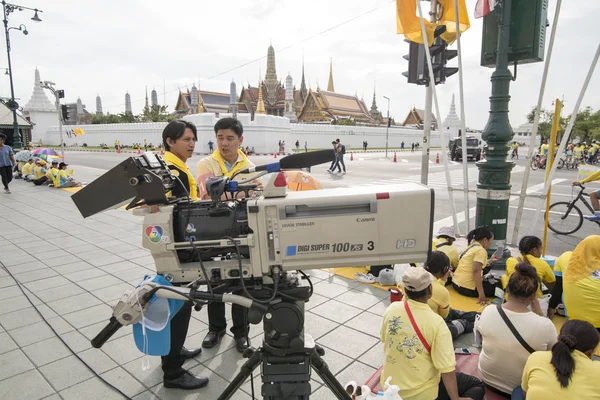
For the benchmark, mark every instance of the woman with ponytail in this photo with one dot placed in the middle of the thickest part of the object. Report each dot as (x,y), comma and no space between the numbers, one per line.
(530,248)
(468,277)
(566,372)
(503,356)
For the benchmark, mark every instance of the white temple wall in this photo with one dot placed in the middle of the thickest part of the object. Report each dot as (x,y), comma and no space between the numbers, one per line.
(263,134)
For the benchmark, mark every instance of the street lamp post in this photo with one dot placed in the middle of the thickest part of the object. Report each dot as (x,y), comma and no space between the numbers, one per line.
(57,95)
(493,188)
(387,129)
(12,104)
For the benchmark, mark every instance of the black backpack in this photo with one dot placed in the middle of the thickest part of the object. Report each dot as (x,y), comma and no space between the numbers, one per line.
(343,149)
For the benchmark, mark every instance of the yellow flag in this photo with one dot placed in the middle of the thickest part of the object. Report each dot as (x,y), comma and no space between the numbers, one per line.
(408,22)
(449,19)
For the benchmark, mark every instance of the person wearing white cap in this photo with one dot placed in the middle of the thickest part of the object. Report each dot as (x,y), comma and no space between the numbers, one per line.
(444,240)
(418,350)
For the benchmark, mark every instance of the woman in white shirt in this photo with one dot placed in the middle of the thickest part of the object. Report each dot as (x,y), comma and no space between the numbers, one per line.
(503,356)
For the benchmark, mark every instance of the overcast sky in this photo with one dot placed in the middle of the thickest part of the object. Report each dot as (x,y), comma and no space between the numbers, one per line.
(109,47)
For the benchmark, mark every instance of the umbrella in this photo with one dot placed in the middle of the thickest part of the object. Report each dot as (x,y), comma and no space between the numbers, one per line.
(300,180)
(78,132)
(23,155)
(45,151)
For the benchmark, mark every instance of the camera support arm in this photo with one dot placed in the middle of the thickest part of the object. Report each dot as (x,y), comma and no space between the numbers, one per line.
(132,305)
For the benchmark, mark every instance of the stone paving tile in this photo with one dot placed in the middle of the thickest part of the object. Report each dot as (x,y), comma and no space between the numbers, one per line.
(6,343)
(31,276)
(74,303)
(46,351)
(330,290)
(99,282)
(124,381)
(76,341)
(92,389)
(15,303)
(39,331)
(317,326)
(348,341)
(44,284)
(368,323)
(65,372)
(13,363)
(31,266)
(373,356)
(89,316)
(30,385)
(122,350)
(72,267)
(85,274)
(153,375)
(55,262)
(336,311)
(97,360)
(116,268)
(113,292)
(19,318)
(58,293)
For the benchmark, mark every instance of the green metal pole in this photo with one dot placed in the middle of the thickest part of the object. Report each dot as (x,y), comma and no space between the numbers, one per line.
(16,142)
(493,188)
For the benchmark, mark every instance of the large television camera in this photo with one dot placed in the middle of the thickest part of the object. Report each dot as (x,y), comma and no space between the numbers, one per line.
(231,238)
(248,238)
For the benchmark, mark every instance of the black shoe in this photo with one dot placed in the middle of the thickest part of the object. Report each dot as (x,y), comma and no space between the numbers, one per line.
(212,339)
(190,353)
(241,344)
(187,381)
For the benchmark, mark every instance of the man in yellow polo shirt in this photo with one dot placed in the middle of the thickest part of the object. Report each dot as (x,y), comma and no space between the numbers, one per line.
(418,350)
(27,170)
(225,161)
(179,138)
(594,196)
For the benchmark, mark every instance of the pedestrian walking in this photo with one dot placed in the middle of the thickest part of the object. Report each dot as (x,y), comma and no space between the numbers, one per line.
(7,160)
(412,147)
(297,146)
(210,146)
(340,150)
(402,145)
(306,147)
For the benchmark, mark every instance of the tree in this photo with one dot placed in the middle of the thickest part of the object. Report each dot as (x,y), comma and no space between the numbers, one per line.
(346,121)
(155,113)
(545,122)
(587,125)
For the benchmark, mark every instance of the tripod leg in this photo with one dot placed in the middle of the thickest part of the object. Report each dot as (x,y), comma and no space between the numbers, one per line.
(240,378)
(322,369)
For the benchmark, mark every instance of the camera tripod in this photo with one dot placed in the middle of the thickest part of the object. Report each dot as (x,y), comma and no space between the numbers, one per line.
(286,355)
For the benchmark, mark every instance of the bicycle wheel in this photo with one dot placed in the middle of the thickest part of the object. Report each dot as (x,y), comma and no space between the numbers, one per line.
(534,163)
(564,218)
(561,163)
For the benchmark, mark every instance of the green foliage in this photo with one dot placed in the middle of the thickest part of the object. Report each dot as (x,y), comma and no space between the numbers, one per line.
(109,118)
(156,113)
(346,121)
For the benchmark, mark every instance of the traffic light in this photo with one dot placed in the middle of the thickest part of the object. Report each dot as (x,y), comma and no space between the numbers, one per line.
(418,71)
(61,94)
(65,112)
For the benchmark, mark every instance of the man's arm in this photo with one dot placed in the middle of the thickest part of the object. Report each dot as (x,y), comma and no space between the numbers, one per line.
(593,177)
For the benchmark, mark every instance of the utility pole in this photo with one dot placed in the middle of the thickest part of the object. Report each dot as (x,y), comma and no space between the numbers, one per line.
(428,112)
(493,187)
(57,95)
(387,129)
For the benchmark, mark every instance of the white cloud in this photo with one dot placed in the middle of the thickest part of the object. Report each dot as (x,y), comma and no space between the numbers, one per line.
(110,47)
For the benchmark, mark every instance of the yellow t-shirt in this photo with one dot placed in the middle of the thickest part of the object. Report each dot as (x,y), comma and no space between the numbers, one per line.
(582,299)
(543,270)
(38,172)
(411,366)
(440,299)
(27,169)
(540,382)
(544,149)
(449,250)
(463,276)
(210,166)
(560,265)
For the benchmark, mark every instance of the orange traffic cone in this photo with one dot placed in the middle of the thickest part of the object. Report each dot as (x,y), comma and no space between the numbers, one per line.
(437,158)
(274,155)
(139,152)
(351,157)
(395,159)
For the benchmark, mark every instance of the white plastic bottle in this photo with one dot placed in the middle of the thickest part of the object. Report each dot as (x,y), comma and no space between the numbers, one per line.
(391,391)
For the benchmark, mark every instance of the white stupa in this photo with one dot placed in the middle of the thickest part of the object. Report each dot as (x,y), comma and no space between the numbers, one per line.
(38,100)
(41,111)
(451,123)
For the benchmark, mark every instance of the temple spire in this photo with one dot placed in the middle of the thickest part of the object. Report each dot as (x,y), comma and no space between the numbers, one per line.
(330,83)
(260,105)
(146,96)
(271,81)
(303,90)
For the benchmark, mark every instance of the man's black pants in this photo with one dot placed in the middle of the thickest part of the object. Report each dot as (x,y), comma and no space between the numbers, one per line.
(173,362)
(339,160)
(218,323)
(468,386)
(6,173)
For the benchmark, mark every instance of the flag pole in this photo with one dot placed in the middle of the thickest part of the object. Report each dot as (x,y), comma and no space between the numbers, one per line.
(536,120)
(437,109)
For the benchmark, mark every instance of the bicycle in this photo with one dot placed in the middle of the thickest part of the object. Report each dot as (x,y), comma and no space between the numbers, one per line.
(536,163)
(565,217)
(514,154)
